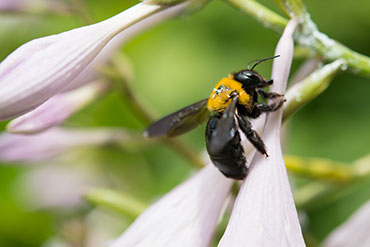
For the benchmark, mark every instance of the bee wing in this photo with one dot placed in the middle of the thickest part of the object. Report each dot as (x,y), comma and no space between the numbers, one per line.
(226,128)
(179,122)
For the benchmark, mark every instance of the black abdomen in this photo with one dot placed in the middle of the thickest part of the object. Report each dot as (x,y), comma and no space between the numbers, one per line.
(226,155)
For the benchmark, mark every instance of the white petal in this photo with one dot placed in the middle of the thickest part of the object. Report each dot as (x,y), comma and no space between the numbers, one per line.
(41,68)
(281,66)
(353,232)
(31,148)
(264,213)
(90,73)
(57,109)
(186,216)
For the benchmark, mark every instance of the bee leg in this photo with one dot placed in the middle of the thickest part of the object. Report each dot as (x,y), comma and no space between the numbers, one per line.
(262,107)
(252,135)
(268,95)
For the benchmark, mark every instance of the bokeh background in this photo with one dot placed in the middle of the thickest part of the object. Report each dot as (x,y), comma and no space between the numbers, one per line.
(175,64)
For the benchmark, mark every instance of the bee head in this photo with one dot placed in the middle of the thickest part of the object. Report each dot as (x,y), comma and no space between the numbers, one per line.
(250,78)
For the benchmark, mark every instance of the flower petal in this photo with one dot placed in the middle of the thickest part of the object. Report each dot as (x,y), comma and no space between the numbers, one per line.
(264,212)
(6,5)
(90,73)
(186,216)
(57,109)
(353,232)
(32,148)
(41,68)
(33,5)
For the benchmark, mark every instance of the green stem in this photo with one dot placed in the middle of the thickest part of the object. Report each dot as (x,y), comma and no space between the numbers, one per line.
(122,203)
(317,191)
(307,35)
(292,8)
(319,168)
(260,13)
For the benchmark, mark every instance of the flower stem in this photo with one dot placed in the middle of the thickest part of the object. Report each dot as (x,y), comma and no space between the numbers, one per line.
(319,168)
(313,192)
(307,35)
(262,14)
(122,203)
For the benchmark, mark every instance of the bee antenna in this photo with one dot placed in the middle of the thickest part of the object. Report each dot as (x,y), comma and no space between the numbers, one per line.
(258,61)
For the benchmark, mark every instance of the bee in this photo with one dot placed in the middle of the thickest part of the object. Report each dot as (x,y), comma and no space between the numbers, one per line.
(233,100)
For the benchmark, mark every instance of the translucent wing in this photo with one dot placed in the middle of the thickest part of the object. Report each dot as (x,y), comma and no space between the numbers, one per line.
(179,122)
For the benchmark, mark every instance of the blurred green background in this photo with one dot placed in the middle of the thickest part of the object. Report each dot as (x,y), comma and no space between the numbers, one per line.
(175,64)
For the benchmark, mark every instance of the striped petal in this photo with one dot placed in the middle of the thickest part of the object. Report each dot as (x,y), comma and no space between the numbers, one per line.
(264,213)
(41,68)
(186,216)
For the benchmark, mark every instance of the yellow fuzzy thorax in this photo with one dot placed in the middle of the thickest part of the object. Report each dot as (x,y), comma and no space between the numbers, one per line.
(220,98)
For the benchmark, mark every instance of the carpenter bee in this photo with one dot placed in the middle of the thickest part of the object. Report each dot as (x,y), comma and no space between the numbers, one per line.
(232,101)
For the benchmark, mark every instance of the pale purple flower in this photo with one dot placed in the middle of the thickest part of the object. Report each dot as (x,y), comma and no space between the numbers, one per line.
(32,148)
(43,67)
(6,5)
(32,5)
(353,232)
(57,109)
(264,213)
(186,216)
(57,186)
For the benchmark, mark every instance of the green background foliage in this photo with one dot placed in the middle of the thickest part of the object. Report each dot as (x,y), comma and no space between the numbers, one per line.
(175,64)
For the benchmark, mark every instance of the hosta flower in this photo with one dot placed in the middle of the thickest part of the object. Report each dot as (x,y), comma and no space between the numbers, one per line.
(32,148)
(264,213)
(353,232)
(43,67)
(56,110)
(186,216)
